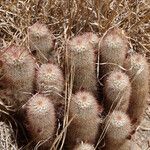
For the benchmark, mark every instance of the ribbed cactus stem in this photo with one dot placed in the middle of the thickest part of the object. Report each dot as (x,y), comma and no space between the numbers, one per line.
(50,81)
(84,126)
(19,70)
(119,128)
(82,57)
(84,146)
(138,71)
(113,48)
(41,41)
(41,120)
(7,137)
(117,91)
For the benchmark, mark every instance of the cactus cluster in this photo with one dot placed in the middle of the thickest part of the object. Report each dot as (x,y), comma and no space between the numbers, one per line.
(37,87)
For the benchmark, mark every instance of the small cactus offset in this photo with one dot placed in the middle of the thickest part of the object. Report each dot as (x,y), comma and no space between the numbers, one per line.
(7,137)
(40,119)
(41,41)
(113,48)
(84,146)
(50,82)
(138,71)
(84,127)
(117,91)
(19,72)
(82,57)
(119,128)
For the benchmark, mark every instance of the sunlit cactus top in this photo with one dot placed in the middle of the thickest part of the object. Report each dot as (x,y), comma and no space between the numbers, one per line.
(50,77)
(39,31)
(84,104)
(18,62)
(114,40)
(119,126)
(79,44)
(118,81)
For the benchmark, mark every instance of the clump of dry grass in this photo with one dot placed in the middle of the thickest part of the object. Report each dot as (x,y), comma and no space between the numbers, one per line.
(67,18)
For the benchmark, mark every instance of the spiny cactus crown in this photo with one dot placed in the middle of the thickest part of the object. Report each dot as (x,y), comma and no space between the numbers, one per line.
(83,103)
(39,105)
(119,125)
(114,39)
(16,60)
(118,80)
(15,55)
(50,72)
(79,44)
(38,30)
(50,76)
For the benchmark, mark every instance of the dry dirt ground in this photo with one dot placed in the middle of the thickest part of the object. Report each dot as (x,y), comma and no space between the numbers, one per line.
(142,135)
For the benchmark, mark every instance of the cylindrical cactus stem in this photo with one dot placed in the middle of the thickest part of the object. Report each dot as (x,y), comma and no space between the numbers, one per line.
(138,70)
(85,124)
(41,41)
(119,128)
(113,48)
(82,57)
(41,119)
(117,91)
(50,82)
(129,145)
(19,71)
(84,146)
(7,137)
